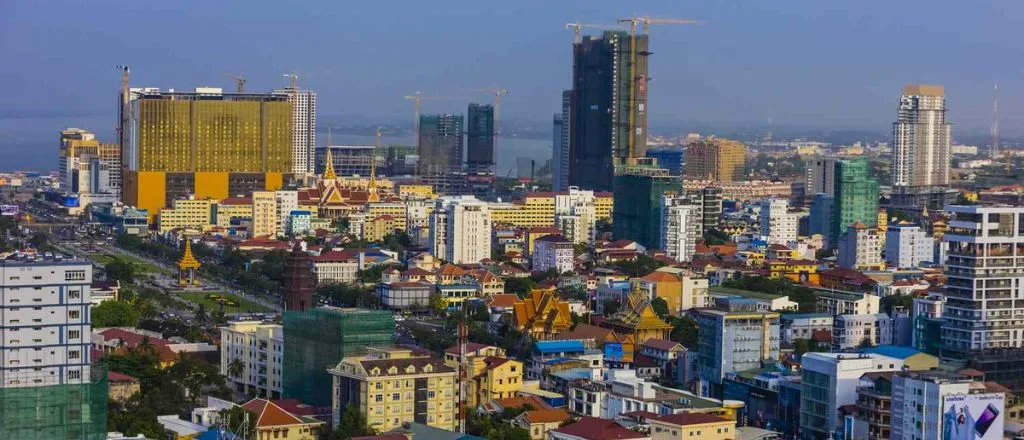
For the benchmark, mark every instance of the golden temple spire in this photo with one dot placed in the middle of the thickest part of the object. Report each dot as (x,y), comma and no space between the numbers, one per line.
(329,161)
(188,261)
(371,187)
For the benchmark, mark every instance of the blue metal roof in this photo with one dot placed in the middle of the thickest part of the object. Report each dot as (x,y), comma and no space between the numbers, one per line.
(573,374)
(893,351)
(546,347)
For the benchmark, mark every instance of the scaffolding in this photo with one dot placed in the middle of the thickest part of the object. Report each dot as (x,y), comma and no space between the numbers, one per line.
(317,339)
(53,412)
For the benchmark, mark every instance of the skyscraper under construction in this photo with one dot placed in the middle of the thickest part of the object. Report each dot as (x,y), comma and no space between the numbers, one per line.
(204,143)
(440,151)
(481,153)
(608,109)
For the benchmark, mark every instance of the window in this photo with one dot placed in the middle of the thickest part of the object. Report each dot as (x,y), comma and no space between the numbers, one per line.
(74,354)
(379,398)
(74,374)
(396,396)
(74,275)
(74,294)
(74,314)
(430,394)
(380,385)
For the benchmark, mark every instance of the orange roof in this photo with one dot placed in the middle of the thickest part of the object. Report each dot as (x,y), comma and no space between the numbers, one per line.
(505,300)
(269,414)
(547,416)
(451,270)
(659,277)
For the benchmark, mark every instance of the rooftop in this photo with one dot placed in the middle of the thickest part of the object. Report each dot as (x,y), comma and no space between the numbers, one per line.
(744,293)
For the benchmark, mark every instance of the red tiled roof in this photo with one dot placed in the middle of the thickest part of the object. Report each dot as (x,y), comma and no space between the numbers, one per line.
(547,416)
(518,402)
(335,257)
(114,377)
(545,230)
(661,344)
(236,201)
(269,414)
(505,300)
(470,348)
(684,419)
(641,361)
(593,428)
(131,339)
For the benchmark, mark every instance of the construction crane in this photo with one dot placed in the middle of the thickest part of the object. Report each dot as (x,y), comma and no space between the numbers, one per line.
(576,26)
(416,99)
(294,77)
(635,22)
(239,83)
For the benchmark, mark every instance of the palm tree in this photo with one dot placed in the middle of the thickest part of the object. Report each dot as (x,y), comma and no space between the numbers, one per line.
(235,368)
(146,346)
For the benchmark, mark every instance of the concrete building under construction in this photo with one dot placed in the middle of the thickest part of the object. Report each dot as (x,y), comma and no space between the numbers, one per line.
(440,151)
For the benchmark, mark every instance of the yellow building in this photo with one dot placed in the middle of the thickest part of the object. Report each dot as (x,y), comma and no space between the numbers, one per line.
(397,211)
(232,208)
(716,159)
(491,374)
(187,214)
(410,191)
(205,143)
(603,204)
(392,386)
(273,422)
(541,314)
(539,422)
(379,227)
(882,220)
(797,271)
(264,214)
(692,425)
(537,232)
(681,289)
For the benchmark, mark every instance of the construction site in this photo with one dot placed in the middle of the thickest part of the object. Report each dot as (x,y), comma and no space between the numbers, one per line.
(53,412)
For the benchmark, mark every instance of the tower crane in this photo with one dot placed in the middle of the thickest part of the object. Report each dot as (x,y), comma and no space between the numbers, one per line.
(416,99)
(635,22)
(294,77)
(576,27)
(239,83)
(122,135)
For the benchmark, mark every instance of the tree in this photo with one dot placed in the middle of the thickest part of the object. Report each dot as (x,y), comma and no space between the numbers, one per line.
(684,331)
(438,303)
(39,241)
(201,316)
(801,346)
(714,237)
(642,265)
(610,307)
(239,421)
(579,249)
(352,424)
(480,312)
(660,306)
(899,300)
(235,368)
(519,286)
(114,314)
(120,270)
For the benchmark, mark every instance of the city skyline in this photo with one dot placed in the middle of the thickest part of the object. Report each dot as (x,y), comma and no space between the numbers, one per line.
(745,65)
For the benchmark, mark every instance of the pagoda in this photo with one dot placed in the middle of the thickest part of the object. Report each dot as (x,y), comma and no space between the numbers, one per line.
(188,268)
(638,319)
(297,280)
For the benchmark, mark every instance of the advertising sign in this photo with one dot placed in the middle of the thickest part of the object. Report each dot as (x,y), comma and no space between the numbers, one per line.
(973,416)
(8,209)
(613,352)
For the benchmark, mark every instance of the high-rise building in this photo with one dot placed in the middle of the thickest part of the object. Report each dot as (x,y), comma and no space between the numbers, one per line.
(733,336)
(777,223)
(679,224)
(820,218)
(264,214)
(86,165)
(940,404)
(392,387)
(480,153)
(638,196)
(47,383)
(828,382)
(258,346)
(303,128)
(348,160)
(560,160)
(440,153)
(204,143)
(315,339)
(921,138)
(608,109)
(671,158)
(860,247)
(460,229)
(708,201)
(715,159)
(855,199)
(985,272)
(821,176)
(907,246)
(576,214)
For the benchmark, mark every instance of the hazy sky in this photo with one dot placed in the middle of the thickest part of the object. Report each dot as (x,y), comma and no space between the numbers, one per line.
(813,62)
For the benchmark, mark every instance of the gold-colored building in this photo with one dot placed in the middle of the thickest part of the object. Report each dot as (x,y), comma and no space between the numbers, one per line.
(379,227)
(689,425)
(397,212)
(392,386)
(264,214)
(716,159)
(411,191)
(187,214)
(204,143)
(541,315)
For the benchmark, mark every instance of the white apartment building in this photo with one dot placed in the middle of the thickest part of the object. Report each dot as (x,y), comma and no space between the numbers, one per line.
(303,129)
(285,203)
(803,325)
(829,381)
(552,252)
(680,223)
(840,303)
(860,248)
(907,246)
(259,349)
(336,267)
(45,326)
(921,138)
(264,214)
(850,331)
(576,215)
(985,274)
(460,230)
(923,403)
(778,225)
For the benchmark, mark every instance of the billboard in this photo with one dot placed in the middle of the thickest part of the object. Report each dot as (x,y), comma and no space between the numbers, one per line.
(613,351)
(8,209)
(973,416)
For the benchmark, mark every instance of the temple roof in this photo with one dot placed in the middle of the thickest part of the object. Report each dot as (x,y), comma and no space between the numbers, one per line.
(188,261)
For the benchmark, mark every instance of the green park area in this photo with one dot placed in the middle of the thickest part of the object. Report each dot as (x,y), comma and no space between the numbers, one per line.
(141,266)
(212,301)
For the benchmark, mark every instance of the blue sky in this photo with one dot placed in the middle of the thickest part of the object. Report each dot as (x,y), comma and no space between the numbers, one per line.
(803,62)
